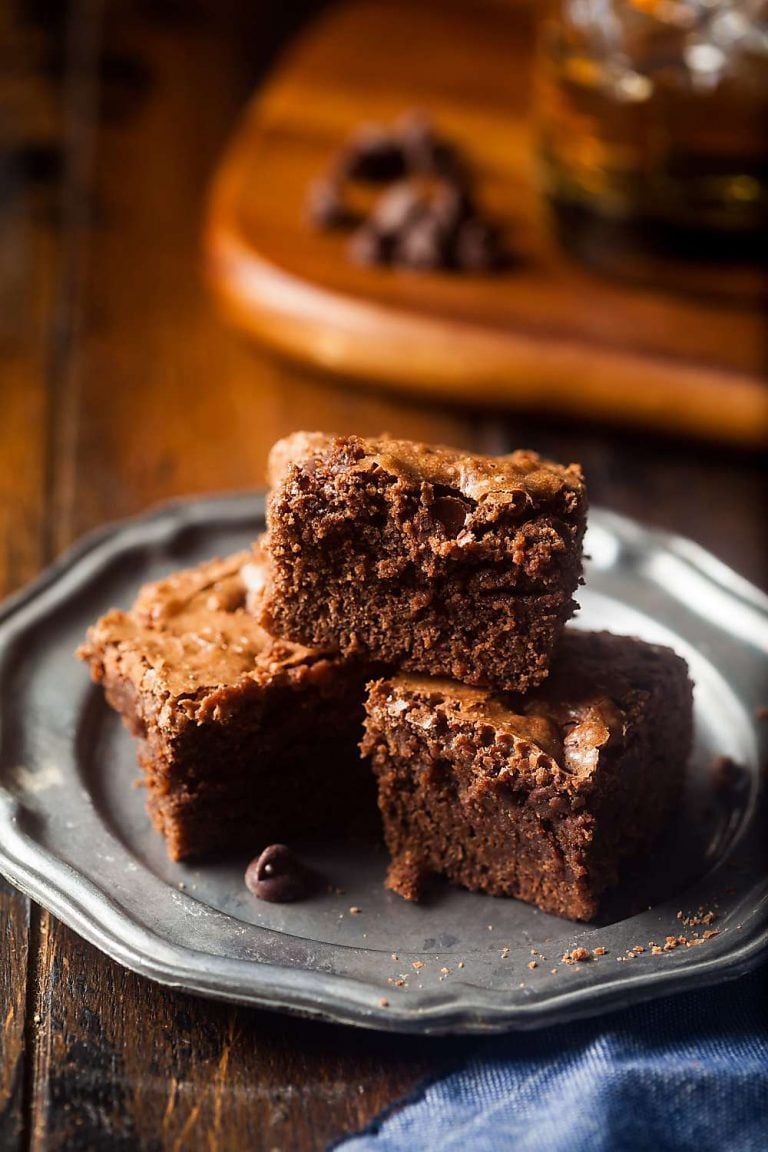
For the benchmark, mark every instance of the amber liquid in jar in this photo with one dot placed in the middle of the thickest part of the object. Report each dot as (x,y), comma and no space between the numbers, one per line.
(653,128)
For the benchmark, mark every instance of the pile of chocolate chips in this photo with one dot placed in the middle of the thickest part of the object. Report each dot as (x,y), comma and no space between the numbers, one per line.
(426,219)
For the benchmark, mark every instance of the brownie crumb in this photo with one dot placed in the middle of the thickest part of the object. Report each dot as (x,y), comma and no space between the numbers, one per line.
(697,919)
(576,956)
(383,1002)
(355,911)
(418,965)
(532,964)
(599,951)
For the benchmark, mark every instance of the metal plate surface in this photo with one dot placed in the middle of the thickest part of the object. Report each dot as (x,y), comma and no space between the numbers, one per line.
(74,835)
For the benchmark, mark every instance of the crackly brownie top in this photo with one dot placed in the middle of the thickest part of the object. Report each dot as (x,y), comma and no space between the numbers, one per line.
(521,479)
(596,691)
(189,638)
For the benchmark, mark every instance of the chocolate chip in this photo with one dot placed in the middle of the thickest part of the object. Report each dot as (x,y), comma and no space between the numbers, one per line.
(278,876)
(451,512)
(424,244)
(478,247)
(396,208)
(373,154)
(428,220)
(325,206)
(366,246)
(426,151)
(451,204)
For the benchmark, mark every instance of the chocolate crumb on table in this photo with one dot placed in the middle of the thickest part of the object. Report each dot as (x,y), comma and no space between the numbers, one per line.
(234,727)
(540,797)
(424,557)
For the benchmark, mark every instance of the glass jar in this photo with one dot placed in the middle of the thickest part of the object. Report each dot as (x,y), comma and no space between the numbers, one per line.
(653,127)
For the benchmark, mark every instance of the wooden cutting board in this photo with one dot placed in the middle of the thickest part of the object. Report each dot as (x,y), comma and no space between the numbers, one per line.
(548,334)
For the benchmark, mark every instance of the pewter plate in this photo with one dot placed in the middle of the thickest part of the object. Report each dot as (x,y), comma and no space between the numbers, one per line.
(74,835)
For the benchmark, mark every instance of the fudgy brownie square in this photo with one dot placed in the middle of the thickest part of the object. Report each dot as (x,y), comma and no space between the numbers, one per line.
(539,797)
(424,557)
(243,739)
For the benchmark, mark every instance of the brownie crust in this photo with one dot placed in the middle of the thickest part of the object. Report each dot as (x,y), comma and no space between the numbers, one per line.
(235,728)
(539,797)
(424,557)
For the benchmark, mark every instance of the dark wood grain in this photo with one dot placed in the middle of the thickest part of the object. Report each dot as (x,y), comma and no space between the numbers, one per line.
(126,1065)
(155,398)
(30,167)
(545,334)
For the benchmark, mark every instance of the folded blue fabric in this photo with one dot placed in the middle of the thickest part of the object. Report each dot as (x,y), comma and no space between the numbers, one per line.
(685,1073)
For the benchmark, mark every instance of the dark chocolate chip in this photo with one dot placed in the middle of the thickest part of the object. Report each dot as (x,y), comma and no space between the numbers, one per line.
(423,244)
(325,205)
(478,247)
(373,154)
(396,209)
(279,877)
(452,204)
(367,246)
(451,512)
(426,151)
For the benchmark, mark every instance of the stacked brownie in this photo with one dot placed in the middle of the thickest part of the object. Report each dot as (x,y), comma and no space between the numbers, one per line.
(510,757)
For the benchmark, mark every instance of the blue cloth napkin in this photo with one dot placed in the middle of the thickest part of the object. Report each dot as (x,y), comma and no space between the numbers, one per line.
(685,1073)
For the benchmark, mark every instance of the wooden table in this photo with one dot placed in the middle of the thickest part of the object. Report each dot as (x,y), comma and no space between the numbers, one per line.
(120,388)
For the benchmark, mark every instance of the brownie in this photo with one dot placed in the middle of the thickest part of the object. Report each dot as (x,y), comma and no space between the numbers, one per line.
(424,557)
(243,739)
(539,796)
